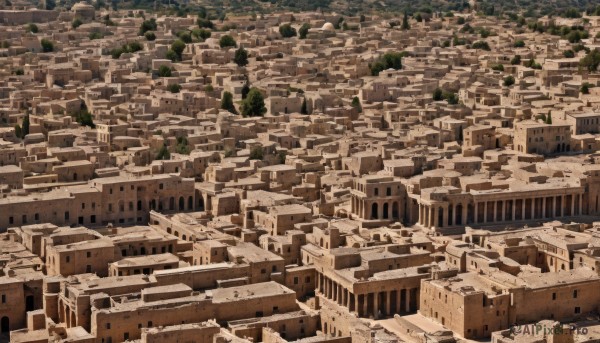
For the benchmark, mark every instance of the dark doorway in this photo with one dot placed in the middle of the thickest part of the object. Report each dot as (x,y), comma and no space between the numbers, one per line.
(29,303)
(4,325)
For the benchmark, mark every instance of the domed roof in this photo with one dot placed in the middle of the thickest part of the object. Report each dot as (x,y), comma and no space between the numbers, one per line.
(328,27)
(82,5)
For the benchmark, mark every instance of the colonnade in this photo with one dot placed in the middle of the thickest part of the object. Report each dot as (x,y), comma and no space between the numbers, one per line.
(377,209)
(496,211)
(373,304)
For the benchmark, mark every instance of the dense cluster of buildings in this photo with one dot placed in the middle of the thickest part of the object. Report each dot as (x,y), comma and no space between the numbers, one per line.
(452,199)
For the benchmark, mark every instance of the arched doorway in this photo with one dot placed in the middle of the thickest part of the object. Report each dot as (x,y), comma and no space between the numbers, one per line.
(181,204)
(459,210)
(385,210)
(395,210)
(190,203)
(200,203)
(374,211)
(4,325)
(171,203)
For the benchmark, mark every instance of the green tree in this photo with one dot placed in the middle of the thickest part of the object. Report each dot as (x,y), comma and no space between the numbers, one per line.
(227,102)
(519,44)
(498,67)
(356,104)
(256,153)
(185,36)
(201,34)
(174,88)
(591,61)
(303,31)
(95,35)
(84,117)
(451,98)
(516,60)
(182,146)
(76,23)
(164,71)
(254,104)
(25,126)
(549,118)
(281,155)
(227,41)
(390,60)
(116,52)
(287,31)
(163,153)
(509,81)
(178,46)
(481,45)
(47,46)
(241,57)
(245,90)
(405,23)
(304,107)
(568,53)
(205,23)
(585,88)
(438,95)
(32,28)
(147,25)
(150,36)
(172,55)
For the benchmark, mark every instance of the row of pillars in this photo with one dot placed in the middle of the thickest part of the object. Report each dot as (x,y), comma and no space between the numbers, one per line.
(376,209)
(374,304)
(446,215)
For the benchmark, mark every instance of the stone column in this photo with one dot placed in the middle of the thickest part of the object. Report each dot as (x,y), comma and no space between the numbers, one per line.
(445,215)
(485,212)
(572,205)
(398,300)
(544,207)
(495,219)
(476,213)
(580,204)
(376,305)
(365,305)
(431,216)
(453,215)
(503,218)
(514,210)
(388,303)
(532,208)
(465,214)
(356,305)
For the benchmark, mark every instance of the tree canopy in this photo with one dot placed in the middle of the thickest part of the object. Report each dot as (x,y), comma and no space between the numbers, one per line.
(254,104)
(241,57)
(287,31)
